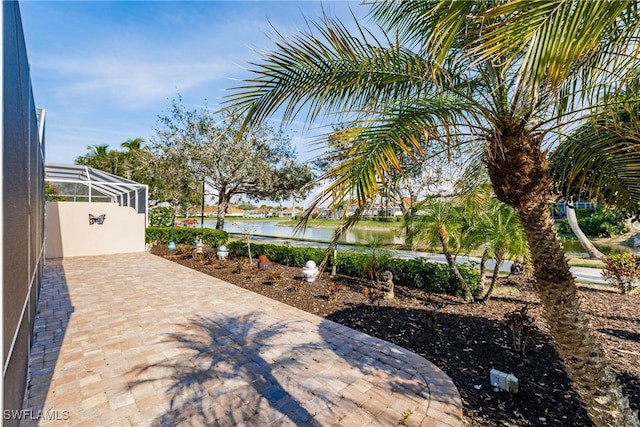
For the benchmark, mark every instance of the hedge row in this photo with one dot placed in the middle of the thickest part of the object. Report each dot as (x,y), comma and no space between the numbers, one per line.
(417,273)
(186,235)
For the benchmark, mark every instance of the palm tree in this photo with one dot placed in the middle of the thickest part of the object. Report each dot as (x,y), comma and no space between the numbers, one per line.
(134,159)
(600,160)
(503,236)
(98,150)
(586,244)
(100,157)
(509,74)
(440,224)
(134,144)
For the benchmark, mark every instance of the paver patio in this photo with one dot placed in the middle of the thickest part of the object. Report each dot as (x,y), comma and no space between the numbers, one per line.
(133,339)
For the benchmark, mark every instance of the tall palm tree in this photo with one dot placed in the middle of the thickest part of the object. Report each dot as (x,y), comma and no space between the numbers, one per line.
(100,157)
(584,241)
(507,73)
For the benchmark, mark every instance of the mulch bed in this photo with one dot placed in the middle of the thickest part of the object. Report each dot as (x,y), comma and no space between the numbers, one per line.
(464,340)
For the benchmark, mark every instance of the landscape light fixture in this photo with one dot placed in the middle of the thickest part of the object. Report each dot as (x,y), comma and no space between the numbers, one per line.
(172,245)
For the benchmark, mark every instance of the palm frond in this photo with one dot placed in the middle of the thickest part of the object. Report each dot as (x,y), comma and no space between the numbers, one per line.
(559,39)
(364,155)
(328,71)
(601,160)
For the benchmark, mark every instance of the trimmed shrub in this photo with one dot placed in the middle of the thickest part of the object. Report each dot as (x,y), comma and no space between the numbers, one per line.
(186,235)
(160,216)
(417,273)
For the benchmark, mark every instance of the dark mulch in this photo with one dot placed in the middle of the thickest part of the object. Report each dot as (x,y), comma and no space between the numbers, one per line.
(464,340)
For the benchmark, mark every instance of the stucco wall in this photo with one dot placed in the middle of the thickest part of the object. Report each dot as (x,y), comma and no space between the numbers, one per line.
(69,233)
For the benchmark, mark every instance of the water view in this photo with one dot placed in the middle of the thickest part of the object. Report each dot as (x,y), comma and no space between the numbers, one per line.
(363,236)
(272,229)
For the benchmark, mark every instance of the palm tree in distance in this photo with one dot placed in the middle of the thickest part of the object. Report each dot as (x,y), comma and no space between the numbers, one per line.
(98,150)
(99,157)
(510,74)
(134,144)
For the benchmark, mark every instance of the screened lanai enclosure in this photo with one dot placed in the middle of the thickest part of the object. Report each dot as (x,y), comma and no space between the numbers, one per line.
(91,212)
(76,183)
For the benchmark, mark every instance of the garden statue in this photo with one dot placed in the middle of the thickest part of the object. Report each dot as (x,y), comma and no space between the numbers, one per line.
(387,278)
(310,271)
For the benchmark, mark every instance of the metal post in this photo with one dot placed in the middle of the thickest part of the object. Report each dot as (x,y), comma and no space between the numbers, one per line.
(202,211)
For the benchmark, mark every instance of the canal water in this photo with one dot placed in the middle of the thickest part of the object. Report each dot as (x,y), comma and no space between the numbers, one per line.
(272,229)
(359,236)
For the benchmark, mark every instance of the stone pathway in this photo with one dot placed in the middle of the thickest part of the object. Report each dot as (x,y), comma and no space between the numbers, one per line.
(134,339)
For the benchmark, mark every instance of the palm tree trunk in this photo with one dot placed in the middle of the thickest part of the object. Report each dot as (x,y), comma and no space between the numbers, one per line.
(519,173)
(483,262)
(494,279)
(442,234)
(582,238)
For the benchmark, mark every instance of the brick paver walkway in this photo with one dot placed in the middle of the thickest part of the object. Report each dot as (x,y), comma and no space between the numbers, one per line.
(134,339)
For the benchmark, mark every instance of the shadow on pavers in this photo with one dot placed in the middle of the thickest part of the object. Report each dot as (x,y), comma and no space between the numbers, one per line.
(53,313)
(228,371)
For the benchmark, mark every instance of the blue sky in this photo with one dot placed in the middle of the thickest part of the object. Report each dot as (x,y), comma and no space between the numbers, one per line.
(104,71)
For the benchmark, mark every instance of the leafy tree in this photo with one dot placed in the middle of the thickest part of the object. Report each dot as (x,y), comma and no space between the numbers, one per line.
(604,222)
(258,163)
(509,74)
(161,216)
(245,206)
(172,178)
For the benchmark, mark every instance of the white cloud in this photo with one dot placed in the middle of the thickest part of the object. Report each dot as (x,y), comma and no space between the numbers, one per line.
(130,82)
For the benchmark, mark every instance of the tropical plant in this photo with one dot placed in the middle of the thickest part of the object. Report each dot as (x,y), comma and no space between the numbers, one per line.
(134,144)
(600,160)
(500,231)
(100,157)
(439,225)
(510,74)
(622,270)
(378,255)
(133,163)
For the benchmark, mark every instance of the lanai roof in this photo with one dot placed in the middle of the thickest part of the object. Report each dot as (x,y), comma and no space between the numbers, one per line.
(85,184)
